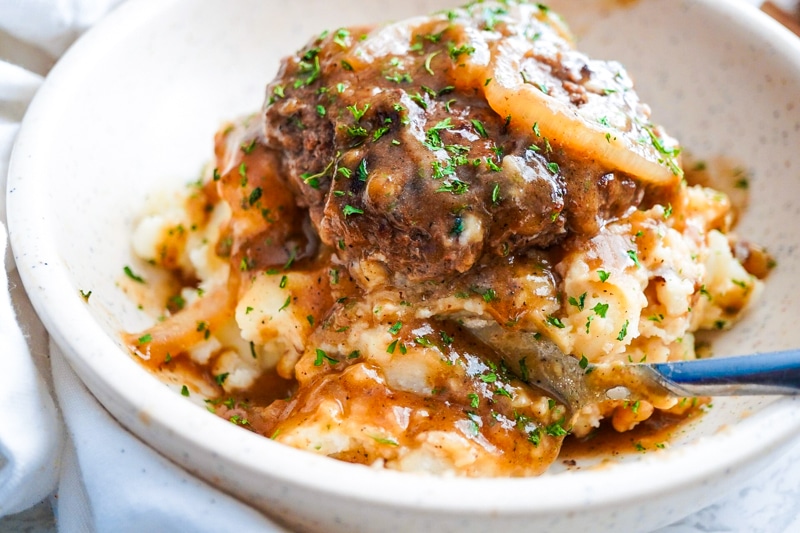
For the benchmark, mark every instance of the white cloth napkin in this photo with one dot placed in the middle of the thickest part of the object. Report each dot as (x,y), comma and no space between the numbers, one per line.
(106,479)
(30,431)
(111,481)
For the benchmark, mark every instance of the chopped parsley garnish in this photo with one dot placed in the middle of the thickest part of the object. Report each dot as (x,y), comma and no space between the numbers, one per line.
(603,275)
(479,128)
(185,391)
(361,170)
(447,339)
(432,138)
(428,62)
(440,171)
(350,210)
(286,303)
(454,186)
(380,132)
(385,440)
(419,100)
(322,356)
(312,69)
(220,378)
(135,277)
(358,113)
(579,302)
(458,226)
(474,400)
(340,37)
(423,341)
(555,321)
(634,257)
(491,377)
(494,167)
(395,329)
(255,195)
(457,51)
(600,309)
(623,332)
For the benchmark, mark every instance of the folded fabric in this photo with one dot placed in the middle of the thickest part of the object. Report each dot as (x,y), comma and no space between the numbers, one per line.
(31,434)
(111,481)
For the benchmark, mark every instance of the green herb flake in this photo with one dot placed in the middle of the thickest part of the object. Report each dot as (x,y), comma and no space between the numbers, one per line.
(185,391)
(423,341)
(357,113)
(634,257)
(474,400)
(479,128)
(286,303)
(385,440)
(428,62)
(395,329)
(380,132)
(579,302)
(623,332)
(247,148)
(454,186)
(255,195)
(321,356)
(135,277)
(85,295)
(556,429)
(603,275)
(348,210)
(220,378)
(524,373)
(447,339)
(457,51)
(491,377)
(555,321)
(496,194)
(600,309)
(704,291)
(500,391)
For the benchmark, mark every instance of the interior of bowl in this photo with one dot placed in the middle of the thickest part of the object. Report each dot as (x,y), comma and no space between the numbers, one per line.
(133,109)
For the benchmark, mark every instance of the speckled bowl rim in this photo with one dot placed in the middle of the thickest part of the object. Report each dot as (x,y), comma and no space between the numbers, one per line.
(132,396)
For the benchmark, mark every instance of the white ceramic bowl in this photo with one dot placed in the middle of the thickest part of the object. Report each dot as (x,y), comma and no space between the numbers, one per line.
(134,105)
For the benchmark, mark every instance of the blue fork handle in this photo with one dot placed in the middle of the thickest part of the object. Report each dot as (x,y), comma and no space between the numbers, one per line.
(759,374)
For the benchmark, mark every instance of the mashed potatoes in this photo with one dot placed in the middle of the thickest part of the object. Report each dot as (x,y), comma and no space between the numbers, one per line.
(408,189)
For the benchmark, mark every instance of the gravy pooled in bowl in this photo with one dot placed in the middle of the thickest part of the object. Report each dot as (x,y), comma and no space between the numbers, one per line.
(352,267)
